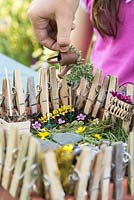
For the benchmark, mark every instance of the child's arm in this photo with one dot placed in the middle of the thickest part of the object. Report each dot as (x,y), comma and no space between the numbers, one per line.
(82,34)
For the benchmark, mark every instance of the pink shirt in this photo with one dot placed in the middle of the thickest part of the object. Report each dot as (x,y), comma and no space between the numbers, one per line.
(116,56)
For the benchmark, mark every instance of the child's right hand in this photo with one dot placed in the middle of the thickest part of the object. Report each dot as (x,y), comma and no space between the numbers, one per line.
(53,21)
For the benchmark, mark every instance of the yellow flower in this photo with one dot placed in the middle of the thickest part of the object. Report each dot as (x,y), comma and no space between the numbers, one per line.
(56,112)
(68,148)
(95,121)
(43,119)
(80,129)
(43,134)
(51,116)
(97,136)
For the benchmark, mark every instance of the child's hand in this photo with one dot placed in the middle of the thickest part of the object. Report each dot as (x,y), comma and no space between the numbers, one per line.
(52,22)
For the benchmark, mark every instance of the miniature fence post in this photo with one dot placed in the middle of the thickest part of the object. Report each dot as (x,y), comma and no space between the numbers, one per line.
(54,88)
(63,91)
(2,150)
(93,92)
(12,148)
(112,87)
(97,171)
(126,124)
(44,96)
(51,178)
(30,170)
(83,169)
(5,106)
(117,161)
(31,95)
(106,172)
(20,165)
(101,97)
(19,92)
(82,91)
(131,164)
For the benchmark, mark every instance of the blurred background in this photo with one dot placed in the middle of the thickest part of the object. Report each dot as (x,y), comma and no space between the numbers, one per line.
(17,39)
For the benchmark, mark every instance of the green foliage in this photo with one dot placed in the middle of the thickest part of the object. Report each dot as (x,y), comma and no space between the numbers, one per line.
(17,39)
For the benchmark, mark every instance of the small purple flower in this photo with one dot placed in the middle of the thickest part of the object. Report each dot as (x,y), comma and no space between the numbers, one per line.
(122,97)
(60,121)
(81,117)
(36,125)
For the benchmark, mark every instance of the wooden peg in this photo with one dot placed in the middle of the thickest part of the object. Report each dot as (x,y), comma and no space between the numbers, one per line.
(131,164)
(126,124)
(97,171)
(63,91)
(20,165)
(82,92)
(93,92)
(83,167)
(51,177)
(101,97)
(2,150)
(31,95)
(118,175)
(44,96)
(30,170)
(54,88)
(112,87)
(12,148)
(19,92)
(106,172)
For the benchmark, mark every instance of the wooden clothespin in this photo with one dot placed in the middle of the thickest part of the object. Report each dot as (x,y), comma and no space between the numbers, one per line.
(52,184)
(101,96)
(93,92)
(2,151)
(31,96)
(126,124)
(97,172)
(43,84)
(31,170)
(113,84)
(11,151)
(19,96)
(22,158)
(106,172)
(54,88)
(131,164)
(117,162)
(83,170)
(63,91)
(82,93)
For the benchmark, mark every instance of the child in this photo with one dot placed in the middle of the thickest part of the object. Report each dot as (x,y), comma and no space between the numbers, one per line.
(113,50)
(112,22)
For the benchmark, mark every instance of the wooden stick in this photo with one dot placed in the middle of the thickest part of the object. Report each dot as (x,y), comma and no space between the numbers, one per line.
(9,93)
(2,150)
(63,92)
(83,167)
(44,91)
(29,179)
(51,171)
(12,148)
(101,97)
(31,94)
(106,172)
(19,92)
(131,165)
(112,87)
(118,160)
(97,171)
(20,164)
(93,92)
(126,124)
(54,88)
